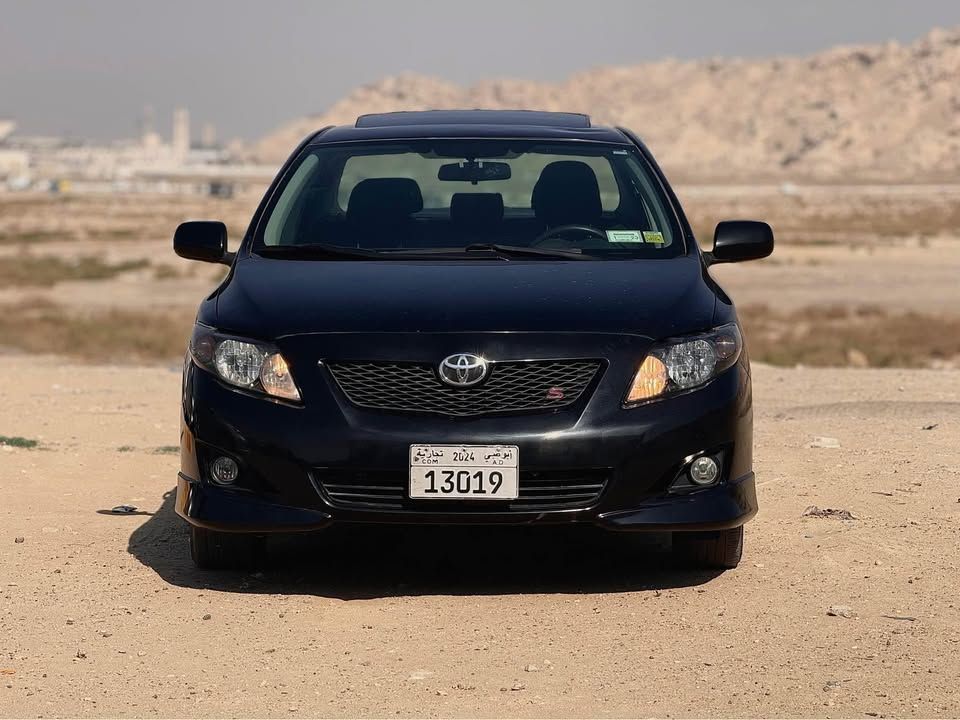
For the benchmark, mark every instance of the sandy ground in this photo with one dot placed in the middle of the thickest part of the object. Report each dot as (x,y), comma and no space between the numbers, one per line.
(895,277)
(103,615)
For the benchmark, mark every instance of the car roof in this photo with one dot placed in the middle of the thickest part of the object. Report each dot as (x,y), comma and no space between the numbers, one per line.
(525,124)
(474,117)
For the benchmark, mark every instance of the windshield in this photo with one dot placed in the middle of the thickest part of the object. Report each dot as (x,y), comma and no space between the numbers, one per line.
(457,196)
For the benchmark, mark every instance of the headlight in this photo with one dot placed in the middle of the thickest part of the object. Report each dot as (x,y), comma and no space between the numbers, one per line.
(246,364)
(238,362)
(683,363)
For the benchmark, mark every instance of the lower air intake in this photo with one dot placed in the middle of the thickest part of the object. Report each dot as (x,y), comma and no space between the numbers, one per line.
(387,490)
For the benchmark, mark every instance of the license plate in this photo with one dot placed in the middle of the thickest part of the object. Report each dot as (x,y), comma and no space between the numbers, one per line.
(464,472)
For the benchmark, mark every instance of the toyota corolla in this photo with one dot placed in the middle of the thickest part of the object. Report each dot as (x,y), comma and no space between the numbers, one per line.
(464,318)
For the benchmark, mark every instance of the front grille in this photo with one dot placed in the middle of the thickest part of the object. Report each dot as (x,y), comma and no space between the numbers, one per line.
(387,490)
(510,387)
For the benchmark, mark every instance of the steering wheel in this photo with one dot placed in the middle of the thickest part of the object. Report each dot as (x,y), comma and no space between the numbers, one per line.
(561,230)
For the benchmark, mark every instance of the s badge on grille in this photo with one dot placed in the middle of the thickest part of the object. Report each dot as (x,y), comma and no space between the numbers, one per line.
(463,370)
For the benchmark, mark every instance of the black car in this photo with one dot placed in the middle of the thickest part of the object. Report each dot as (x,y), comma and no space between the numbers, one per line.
(468,317)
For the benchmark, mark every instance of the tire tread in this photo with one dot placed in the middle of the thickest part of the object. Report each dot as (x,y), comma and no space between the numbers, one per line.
(212,550)
(717,550)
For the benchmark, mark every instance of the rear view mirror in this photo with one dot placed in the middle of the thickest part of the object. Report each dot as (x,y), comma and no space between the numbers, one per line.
(474,171)
(203,240)
(739,240)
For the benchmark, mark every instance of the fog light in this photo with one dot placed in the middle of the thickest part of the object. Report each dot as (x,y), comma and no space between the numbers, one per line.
(704,471)
(224,471)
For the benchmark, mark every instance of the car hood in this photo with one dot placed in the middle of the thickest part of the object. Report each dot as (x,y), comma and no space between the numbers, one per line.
(272,298)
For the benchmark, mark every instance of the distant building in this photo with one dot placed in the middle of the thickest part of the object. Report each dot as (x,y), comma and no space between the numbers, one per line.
(181,132)
(147,164)
(6,127)
(208,135)
(14,168)
(148,126)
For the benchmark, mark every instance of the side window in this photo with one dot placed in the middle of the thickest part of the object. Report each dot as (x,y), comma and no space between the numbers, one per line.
(277,225)
(649,197)
(609,192)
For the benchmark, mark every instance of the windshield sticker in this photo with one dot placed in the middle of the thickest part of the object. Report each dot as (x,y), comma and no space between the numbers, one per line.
(654,238)
(624,236)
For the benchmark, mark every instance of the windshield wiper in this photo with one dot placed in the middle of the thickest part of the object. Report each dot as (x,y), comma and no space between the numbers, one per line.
(317,250)
(509,251)
(324,250)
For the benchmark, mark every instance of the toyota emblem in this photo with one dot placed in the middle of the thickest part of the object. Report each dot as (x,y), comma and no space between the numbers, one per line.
(463,370)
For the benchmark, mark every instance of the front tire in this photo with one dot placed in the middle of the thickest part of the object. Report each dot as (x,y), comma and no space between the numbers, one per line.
(212,550)
(717,550)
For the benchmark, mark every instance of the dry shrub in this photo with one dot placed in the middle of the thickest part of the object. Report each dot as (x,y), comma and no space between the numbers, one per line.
(115,336)
(27,270)
(831,335)
(30,237)
(817,336)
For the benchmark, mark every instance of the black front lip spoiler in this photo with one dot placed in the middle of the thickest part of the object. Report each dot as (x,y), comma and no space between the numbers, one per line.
(214,508)
(726,506)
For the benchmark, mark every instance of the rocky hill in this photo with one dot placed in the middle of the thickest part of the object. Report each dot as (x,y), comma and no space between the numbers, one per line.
(886,112)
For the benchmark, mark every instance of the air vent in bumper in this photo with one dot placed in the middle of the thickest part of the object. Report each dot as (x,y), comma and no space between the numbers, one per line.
(387,490)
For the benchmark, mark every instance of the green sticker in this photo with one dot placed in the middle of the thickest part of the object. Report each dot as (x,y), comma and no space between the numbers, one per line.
(654,238)
(624,236)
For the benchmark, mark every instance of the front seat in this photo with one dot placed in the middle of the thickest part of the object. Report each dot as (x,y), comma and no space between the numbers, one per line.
(379,212)
(567,193)
(476,216)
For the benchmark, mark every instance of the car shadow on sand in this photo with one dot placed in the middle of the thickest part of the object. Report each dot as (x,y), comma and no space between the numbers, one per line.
(362,562)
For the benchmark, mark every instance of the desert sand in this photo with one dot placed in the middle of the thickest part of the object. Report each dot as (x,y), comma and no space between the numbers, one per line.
(103,615)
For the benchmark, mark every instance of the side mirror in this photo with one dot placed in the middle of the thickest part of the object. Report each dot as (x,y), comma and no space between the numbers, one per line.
(203,240)
(739,240)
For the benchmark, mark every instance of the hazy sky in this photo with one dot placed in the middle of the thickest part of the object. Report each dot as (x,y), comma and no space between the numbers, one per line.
(86,68)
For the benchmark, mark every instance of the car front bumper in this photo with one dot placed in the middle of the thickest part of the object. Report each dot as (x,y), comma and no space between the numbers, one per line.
(284,451)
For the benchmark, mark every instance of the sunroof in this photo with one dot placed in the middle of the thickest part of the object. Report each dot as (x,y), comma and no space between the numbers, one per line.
(475,117)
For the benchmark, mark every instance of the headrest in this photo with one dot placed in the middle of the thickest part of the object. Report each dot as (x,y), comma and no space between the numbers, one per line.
(567,193)
(379,199)
(476,208)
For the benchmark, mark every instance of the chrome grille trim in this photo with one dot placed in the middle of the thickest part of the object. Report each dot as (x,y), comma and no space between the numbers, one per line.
(387,490)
